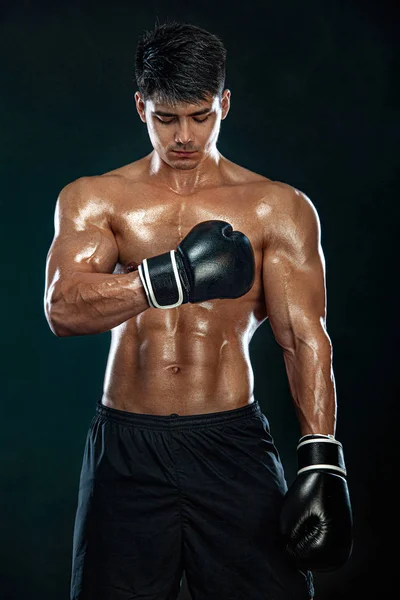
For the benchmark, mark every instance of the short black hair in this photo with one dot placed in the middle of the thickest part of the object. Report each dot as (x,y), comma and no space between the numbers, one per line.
(179,62)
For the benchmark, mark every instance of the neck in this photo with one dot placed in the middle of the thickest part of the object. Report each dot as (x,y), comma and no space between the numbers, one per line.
(186,181)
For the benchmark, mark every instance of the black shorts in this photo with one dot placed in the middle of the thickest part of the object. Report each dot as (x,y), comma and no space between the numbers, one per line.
(163,495)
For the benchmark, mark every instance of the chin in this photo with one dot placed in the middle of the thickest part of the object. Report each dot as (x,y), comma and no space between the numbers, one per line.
(184,166)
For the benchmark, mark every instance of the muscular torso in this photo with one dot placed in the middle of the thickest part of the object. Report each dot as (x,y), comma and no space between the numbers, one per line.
(195,358)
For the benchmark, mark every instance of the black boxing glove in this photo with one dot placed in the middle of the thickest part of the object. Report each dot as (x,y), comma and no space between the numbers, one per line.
(212,261)
(316,518)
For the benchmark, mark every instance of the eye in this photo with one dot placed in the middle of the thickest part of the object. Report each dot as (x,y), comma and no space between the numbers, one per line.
(171,120)
(164,122)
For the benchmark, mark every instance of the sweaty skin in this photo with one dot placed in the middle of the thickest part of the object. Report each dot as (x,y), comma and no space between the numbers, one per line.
(193,359)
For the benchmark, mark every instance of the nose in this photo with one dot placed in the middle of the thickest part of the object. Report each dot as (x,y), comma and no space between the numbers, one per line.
(183,135)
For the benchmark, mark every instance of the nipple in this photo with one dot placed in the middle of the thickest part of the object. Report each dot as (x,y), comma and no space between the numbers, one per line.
(132,266)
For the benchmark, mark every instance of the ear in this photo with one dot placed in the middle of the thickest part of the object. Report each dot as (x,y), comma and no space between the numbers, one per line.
(140,107)
(225,103)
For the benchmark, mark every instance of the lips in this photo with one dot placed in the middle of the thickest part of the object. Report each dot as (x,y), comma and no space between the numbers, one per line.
(183,151)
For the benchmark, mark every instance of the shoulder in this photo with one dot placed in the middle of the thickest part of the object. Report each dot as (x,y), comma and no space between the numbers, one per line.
(294,203)
(103,186)
(283,197)
(84,199)
(291,199)
(79,192)
(291,214)
(92,185)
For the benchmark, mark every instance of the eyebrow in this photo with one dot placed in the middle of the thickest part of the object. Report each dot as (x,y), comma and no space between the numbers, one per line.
(162,113)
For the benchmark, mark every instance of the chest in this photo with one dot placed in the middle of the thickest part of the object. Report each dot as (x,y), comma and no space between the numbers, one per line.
(147,224)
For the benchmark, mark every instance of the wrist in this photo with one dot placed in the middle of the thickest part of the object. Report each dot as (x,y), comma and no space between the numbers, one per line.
(316,436)
(320,452)
(164,281)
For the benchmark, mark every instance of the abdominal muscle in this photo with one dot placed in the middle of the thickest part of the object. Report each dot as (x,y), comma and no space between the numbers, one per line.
(178,366)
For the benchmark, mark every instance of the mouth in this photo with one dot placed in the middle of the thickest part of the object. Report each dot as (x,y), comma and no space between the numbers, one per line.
(180,153)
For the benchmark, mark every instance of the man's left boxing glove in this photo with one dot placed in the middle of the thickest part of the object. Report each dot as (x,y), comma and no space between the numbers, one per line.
(316,518)
(212,261)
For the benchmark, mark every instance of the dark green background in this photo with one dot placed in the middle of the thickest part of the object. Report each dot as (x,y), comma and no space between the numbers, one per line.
(314,105)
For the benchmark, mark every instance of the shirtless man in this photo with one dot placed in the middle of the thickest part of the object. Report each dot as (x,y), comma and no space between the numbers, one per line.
(180,472)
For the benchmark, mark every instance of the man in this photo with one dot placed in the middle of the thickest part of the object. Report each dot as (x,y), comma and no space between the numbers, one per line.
(183,255)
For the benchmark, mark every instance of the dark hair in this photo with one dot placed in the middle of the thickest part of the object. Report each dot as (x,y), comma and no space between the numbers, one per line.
(179,62)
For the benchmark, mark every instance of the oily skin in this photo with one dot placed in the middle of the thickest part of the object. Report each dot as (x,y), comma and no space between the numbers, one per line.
(194,359)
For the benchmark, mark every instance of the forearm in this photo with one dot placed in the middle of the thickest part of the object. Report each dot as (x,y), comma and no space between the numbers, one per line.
(90,303)
(312,385)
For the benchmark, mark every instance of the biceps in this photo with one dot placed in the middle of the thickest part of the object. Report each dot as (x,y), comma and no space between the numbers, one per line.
(90,251)
(295,296)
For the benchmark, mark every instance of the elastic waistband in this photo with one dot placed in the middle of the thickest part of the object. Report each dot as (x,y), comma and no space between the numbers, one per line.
(175,421)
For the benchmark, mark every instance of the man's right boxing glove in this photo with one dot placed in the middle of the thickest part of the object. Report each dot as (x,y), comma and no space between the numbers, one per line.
(212,261)
(316,517)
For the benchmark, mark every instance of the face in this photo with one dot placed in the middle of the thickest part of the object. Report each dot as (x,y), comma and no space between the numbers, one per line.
(191,128)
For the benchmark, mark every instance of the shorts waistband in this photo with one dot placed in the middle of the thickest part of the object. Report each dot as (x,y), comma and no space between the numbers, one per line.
(175,421)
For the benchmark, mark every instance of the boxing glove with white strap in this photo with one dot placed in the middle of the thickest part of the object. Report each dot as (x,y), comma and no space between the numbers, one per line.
(212,261)
(316,518)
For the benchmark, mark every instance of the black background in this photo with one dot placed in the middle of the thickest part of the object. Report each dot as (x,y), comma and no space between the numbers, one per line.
(314,104)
